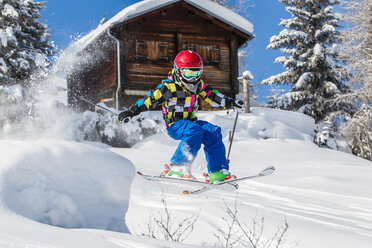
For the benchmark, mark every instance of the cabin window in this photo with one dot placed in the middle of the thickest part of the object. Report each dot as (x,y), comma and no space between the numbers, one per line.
(209,53)
(214,54)
(141,51)
(163,52)
(154,51)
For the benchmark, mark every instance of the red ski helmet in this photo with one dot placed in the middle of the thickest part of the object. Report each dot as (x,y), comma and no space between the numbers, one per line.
(188,59)
(188,66)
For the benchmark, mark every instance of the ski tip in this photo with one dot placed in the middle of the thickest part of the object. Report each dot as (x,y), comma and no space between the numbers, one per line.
(186,192)
(139,173)
(269,170)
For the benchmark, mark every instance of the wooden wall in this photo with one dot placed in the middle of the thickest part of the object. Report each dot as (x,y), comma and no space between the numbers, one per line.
(149,46)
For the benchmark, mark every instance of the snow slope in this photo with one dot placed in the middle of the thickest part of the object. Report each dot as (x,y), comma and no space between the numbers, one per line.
(56,193)
(323,194)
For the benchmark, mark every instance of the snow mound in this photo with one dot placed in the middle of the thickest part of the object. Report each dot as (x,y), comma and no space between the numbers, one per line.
(65,184)
(263,123)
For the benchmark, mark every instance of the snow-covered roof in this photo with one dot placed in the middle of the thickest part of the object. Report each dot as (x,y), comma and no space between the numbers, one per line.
(212,8)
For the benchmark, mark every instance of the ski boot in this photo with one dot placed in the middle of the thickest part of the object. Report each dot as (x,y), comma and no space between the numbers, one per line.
(218,176)
(175,170)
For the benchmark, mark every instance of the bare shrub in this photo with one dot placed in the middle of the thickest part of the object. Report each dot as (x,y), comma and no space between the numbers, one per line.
(240,234)
(165,225)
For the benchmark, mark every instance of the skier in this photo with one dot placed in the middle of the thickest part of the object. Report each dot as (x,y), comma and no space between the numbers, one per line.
(179,96)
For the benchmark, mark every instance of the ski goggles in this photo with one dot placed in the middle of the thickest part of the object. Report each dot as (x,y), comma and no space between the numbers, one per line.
(193,72)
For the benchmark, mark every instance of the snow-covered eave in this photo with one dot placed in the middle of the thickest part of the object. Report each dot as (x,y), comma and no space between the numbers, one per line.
(141,8)
(221,13)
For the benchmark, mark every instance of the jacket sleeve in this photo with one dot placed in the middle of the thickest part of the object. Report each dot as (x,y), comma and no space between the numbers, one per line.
(212,96)
(155,98)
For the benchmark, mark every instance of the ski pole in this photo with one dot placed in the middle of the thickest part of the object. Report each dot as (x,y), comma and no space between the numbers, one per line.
(231,136)
(126,120)
(94,104)
(90,102)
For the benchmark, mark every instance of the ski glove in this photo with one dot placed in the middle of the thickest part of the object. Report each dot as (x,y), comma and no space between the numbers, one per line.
(125,116)
(231,103)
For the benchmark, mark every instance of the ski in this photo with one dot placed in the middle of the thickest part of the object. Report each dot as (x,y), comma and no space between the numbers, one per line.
(267,171)
(229,185)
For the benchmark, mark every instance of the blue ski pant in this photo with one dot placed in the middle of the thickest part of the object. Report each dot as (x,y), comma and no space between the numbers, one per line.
(192,135)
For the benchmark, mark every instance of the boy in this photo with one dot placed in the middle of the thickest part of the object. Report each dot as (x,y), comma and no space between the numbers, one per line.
(178,96)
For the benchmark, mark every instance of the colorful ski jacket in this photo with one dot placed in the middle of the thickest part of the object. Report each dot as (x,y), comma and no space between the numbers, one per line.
(177,102)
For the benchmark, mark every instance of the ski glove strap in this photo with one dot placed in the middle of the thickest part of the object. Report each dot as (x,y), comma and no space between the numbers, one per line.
(231,103)
(126,115)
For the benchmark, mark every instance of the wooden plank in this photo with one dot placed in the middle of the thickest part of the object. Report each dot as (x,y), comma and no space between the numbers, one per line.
(179,42)
(234,64)
(108,77)
(204,39)
(176,19)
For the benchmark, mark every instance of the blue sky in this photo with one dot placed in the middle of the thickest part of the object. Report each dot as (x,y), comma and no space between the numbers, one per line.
(68,19)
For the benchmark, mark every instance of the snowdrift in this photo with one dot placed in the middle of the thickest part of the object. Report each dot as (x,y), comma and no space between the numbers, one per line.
(65,184)
(264,124)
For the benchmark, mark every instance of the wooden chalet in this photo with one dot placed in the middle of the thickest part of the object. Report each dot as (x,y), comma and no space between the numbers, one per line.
(131,53)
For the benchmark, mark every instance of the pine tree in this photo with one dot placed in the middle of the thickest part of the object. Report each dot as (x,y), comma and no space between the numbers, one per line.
(312,66)
(357,50)
(24,40)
